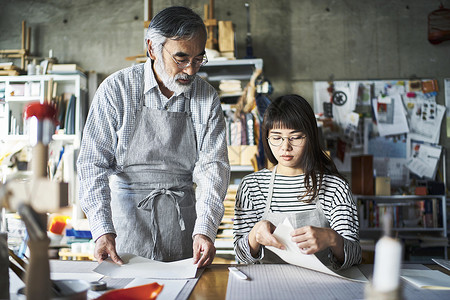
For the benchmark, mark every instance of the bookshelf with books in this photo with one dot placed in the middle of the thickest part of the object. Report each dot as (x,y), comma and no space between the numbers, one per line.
(69,94)
(420,222)
(230,77)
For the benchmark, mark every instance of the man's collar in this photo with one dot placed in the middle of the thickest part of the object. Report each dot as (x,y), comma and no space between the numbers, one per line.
(149,76)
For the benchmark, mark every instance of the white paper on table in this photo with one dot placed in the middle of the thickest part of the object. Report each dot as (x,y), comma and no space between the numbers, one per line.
(141,267)
(76,276)
(294,256)
(170,290)
(427,279)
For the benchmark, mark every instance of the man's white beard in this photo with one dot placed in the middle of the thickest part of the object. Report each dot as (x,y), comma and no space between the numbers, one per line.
(171,82)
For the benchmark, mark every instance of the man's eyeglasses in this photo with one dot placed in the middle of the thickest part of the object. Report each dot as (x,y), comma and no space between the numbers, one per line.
(195,63)
(295,140)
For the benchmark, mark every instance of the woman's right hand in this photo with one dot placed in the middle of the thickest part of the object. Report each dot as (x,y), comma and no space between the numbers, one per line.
(262,234)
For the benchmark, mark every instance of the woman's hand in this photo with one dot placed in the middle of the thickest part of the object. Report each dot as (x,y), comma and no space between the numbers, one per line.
(312,239)
(261,234)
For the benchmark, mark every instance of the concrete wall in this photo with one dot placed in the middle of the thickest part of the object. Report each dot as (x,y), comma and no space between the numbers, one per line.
(300,41)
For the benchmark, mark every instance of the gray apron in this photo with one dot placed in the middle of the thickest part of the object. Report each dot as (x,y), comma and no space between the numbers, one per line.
(305,218)
(153,199)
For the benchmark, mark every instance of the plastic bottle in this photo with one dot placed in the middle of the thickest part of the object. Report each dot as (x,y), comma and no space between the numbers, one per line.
(31,68)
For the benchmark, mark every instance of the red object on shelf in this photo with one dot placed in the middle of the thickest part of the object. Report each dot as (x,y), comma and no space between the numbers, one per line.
(58,224)
(41,111)
(421,191)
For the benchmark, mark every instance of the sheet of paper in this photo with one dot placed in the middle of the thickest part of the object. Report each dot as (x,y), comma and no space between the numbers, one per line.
(447,102)
(399,123)
(140,267)
(426,128)
(170,290)
(294,256)
(79,276)
(427,279)
(424,159)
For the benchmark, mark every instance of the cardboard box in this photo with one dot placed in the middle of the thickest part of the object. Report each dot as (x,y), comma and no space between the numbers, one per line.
(234,155)
(382,186)
(242,155)
(248,154)
(362,175)
(421,191)
(226,36)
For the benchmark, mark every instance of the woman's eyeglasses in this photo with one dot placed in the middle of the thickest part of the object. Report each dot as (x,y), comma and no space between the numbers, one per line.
(295,140)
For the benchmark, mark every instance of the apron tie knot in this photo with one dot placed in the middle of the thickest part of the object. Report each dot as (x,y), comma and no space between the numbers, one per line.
(148,203)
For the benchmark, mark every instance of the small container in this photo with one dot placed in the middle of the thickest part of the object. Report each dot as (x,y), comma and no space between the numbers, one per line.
(68,289)
(39,70)
(31,69)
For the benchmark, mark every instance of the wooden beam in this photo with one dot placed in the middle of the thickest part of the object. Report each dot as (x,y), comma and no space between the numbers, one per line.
(23,34)
(28,43)
(211,9)
(149,10)
(210,22)
(19,51)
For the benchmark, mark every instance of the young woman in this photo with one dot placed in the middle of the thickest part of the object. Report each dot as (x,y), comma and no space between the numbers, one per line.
(304,186)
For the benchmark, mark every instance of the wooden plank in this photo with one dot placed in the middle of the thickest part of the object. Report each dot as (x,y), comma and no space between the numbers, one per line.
(9,73)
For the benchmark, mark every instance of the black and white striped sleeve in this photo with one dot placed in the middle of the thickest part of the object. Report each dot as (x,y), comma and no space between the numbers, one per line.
(341,211)
(245,218)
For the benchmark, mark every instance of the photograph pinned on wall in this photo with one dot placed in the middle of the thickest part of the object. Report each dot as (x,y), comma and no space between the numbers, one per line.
(399,124)
(340,95)
(353,130)
(425,115)
(385,109)
(364,93)
(424,159)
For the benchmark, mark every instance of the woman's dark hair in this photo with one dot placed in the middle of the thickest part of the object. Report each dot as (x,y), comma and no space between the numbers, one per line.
(294,112)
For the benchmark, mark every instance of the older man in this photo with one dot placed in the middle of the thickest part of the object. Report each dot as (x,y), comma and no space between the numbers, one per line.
(154,130)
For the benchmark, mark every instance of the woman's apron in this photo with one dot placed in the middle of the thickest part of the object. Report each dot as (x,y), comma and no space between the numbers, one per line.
(305,218)
(153,199)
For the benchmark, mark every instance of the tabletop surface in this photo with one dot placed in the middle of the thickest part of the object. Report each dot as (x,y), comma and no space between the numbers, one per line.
(213,282)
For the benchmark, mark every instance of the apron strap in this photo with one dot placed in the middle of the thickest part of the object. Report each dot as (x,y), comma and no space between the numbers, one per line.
(148,203)
(270,191)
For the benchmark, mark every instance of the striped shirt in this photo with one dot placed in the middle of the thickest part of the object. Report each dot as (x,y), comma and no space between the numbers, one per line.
(335,198)
(106,138)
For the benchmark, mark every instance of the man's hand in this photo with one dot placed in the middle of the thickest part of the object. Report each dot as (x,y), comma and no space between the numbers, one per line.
(262,234)
(204,250)
(104,246)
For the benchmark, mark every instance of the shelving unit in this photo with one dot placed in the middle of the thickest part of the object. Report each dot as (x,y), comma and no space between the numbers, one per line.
(35,88)
(240,69)
(419,221)
(213,72)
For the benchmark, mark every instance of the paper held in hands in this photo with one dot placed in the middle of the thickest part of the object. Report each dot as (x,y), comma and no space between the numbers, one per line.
(294,256)
(136,266)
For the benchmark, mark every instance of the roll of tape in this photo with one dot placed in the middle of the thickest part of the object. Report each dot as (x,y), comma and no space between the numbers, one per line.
(98,285)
